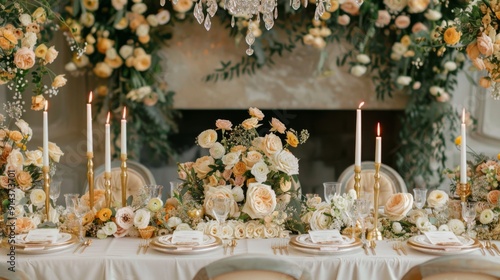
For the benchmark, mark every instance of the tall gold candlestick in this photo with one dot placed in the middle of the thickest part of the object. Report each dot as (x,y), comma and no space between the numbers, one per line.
(463,190)
(375,234)
(107,188)
(90,177)
(46,189)
(357,179)
(124,178)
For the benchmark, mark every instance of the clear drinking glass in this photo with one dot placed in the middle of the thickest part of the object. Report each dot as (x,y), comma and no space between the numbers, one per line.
(420,197)
(153,191)
(363,210)
(330,190)
(175,188)
(220,208)
(469,215)
(352,214)
(55,190)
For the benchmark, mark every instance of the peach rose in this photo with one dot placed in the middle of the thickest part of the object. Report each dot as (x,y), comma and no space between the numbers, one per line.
(223,124)
(151,99)
(254,112)
(37,102)
(260,201)
(485,82)
(51,55)
(103,44)
(272,144)
(485,44)
(350,7)
(207,138)
(24,224)
(142,62)
(343,20)
(402,21)
(24,58)
(383,19)
(493,196)
(277,125)
(59,81)
(202,166)
(102,70)
(417,6)
(4,182)
(15,135)
(24,180)
(451,36)
(251,158)
(417,27)
(250,123)
(308,39)
(239,168)
(398,205)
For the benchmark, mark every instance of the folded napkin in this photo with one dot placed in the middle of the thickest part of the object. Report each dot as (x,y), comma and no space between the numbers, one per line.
(46,235)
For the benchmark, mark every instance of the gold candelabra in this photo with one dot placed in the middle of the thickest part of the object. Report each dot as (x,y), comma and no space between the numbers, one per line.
(46,189)
(375,234)
(90,177)
(124,176)
(463,190)
(107,188)
(357,179)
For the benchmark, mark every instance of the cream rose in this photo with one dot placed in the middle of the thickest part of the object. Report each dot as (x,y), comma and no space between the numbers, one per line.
(24,180)
(493,196)
(37,197)
(358,70)
(55,152)
(383,19)
(272,144)
(260,171)
(102,70)
(118,4)
(285,185)
(59,81)
(219,192)
(260,202)
(350,7)
(142,62)
(286,162)
(398,205)
(363,58)
(24,225)
(15,160)
(223,124)
(25,19)
(250,123)
(24,58)
(485,44)
(207,138)
(343,20)
(51,55)
(251,158)
(202,166)
(414,215)
(254,112)
(432,15)
(230,159)
(217,150)
(437,199)
(403,80)
(277,125)
(183,6)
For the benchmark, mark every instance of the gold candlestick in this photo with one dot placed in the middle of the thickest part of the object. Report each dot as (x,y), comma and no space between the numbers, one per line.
(124,176)
(375,234)
(90,177)
(107,188)
(463,190)
(46,189)
(357,179)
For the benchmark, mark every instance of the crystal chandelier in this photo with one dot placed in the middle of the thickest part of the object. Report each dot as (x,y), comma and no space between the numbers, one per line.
(252,9)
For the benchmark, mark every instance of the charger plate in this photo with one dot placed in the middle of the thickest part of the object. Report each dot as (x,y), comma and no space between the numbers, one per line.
(422,244)
(304,244)
(165,242)
(64,242)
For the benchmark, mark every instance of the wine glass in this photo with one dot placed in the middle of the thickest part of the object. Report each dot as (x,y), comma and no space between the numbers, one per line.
(175,188)
(469,215)
(331,189)
(363,210)
(55,190)
(79,209)
(420,197)
(220,208)
(351,212)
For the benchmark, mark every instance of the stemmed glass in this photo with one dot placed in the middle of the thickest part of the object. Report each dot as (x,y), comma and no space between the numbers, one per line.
(55,190)
(363,210)
(331,189)
(469,215)
(79,209)
(220,208)
(351,212)
(420,197)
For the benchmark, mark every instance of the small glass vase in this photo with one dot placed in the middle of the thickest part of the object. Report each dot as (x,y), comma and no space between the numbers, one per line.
(147,232)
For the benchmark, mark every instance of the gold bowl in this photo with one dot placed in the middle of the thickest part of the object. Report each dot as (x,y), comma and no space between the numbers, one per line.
(147,232)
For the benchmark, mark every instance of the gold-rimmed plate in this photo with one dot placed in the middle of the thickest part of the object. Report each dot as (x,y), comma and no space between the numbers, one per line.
(305,241)
(184,250)
(421,241)
(443,251)
(36,248)
(165,241)
(326,250)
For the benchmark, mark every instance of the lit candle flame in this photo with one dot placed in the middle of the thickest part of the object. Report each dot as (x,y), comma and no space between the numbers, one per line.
(463,115)
(90,97)
(107,119)
(361,104)
(46,106)
(378,129)
(124,116)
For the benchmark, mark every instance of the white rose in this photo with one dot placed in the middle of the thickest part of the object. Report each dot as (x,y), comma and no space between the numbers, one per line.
(260,201)
(230,159)
(15,160)
(413,215)
(259,231)
(251,158)
(363,58)
(286,162)
(25,19)
(443,228)
(55,152)
(207,138)
(37,197)
(126,51)
(450,65)
(34,157)
(239,231)
(437,199)
(238,194)
(397,228)
(227,231)
(18,195)
(163,17)
(272,144)
(29,40)
(486,216)
(433,15)
(435,90)
(213,228)
(217,150)
(142,30)
(109,228)
(202,166)
(358,70)
(141,218)
(25,128)
(396,5)
(321,219)
(250,229)
(456,226)
(403,80)
(398,205)
(173,222)
(423,224)
(260,171)
(139,8)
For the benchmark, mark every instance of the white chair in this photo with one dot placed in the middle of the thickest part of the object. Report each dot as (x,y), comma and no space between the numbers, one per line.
(138,176)
(251,267)
(390,181)
(455,268)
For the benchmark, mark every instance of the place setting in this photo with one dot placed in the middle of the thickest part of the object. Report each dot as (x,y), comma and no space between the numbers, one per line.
(41,241)
(189,242)
(443,243)
(325,242)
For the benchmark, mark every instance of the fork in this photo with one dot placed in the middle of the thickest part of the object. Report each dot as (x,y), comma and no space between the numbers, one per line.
(141,245)
(402,248)
(274,247)
(488,247)
(395,247)
(284,244)
(373,244)
(88,242)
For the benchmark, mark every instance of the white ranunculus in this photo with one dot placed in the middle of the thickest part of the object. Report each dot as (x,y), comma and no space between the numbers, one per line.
(286,162)
(456,226)
(433,15)
(437,199)
(109,228)
(141,218)
(435,90)
(37,197)
(207,138)
(397,228)
(139,8)
(238,194)
(486,216)
(126,51)
(398,205)
(423,224)
(25,19)
(404,80)
(34,157)
(15,160)
(443,228)
(25,128)
(450,65)
(217,150)
(230,159)
(260,201)
(358,70)
(260,171)
(173,222)
(321,219)
(363,58)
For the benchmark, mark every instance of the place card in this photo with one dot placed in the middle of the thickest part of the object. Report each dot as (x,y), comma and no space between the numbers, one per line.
(187,237)
(443,238)
(42,235)
(325,236)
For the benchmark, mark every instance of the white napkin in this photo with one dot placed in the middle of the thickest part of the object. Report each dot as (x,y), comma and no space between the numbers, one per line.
(187,237)
(443,238)
(42,235)
(325,236)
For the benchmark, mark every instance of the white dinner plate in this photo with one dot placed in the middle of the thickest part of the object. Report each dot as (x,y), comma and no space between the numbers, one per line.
(61,239)
(442,251)
(184,250)
(304,240)
(423,241)
(41,249)
(326,250)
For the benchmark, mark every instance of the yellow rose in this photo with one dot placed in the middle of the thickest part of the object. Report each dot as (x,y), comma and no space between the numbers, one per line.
(451,36)
(5,44)
(406,40)
(39,15)
(292,139)
(41,51)
(59,81)
(10,36)
(91,5)
(250,123)
(24,180)
(102,70)
(142,62)
(458,140)
(15,136)
(115,63)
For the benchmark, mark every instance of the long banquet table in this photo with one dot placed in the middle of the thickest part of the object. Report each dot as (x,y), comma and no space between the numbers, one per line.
(116,258)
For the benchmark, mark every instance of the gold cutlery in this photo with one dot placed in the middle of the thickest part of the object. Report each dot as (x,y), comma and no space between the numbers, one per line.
(365,247)
(481,246)
(140,247)
(274,247)
(395,247)
(225,246)
(496,248)
(402,248)
(146,246)
(88,243)
(488,247)
(285,246)
(373,244)
(79,246)
(233,245)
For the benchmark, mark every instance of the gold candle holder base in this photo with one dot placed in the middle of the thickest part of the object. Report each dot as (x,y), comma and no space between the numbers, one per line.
(107,189)
(463,190)
(90,178)
(357,179)
(375,234)
(124,178)
(46,189)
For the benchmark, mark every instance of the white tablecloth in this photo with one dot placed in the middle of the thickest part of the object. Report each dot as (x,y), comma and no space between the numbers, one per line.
(116,258)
